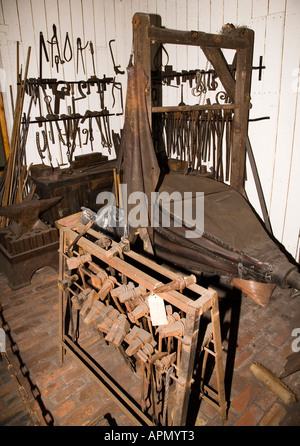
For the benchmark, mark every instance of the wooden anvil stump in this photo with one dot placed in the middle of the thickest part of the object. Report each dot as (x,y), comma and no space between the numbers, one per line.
(21,256)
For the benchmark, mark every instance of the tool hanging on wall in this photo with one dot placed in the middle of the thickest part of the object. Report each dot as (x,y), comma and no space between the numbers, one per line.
(80,50)
(42,49)
(67,47)
(116,67)
(117,86)
(55,58)
(38,145)
(197,137)
(92,54)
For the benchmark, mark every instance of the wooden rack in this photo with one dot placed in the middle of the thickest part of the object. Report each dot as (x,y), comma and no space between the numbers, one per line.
(192,303)
(238,88)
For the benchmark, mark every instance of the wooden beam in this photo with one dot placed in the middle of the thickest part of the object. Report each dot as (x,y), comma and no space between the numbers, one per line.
(195,38)
(218,61)
(240,122)
(142,51)
(183,108)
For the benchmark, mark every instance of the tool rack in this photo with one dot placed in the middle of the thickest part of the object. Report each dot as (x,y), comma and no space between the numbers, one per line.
(124,269)
(236,79)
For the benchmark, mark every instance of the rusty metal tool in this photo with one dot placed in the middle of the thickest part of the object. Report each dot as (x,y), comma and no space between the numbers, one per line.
(139,311)
(75,262)
(177,284)
(80,50)
(63,284)
(67,45)
(54,42)
(48,100)
(136,338)
(92,54)
(38,145)
(42,49)
(79,299)
(117,86)
(81,234)
(119,248)
(59,94)
(106,318)
(94,311)
(27,213)
(118,330)
(108,285)
(116,67)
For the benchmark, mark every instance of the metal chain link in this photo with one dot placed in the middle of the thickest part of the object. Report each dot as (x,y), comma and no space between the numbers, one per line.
(21,389)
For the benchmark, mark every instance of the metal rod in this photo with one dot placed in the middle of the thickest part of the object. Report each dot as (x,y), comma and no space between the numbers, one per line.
(66,118)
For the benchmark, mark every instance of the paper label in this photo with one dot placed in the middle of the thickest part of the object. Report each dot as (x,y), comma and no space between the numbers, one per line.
(157,310)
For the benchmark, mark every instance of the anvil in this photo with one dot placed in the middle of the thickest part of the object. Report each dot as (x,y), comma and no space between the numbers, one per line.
(26,214)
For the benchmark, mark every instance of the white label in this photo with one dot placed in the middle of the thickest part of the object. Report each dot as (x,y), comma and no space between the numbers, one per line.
(157,310)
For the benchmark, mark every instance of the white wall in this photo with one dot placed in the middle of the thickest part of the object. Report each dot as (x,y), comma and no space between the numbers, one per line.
(275,141)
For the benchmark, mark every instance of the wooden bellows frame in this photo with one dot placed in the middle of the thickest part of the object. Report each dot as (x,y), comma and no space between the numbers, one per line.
(238,88)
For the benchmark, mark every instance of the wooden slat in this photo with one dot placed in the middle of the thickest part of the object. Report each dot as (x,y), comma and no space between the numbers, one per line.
(183,108)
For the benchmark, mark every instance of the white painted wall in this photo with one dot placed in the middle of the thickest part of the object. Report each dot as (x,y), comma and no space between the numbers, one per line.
(275,141)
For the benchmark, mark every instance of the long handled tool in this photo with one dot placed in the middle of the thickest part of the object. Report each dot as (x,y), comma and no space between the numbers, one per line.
(11,180)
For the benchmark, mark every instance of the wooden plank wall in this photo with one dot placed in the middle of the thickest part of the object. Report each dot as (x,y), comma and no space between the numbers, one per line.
(275,140)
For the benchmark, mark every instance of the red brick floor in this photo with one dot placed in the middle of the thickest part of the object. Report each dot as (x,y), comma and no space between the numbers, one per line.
(66,395)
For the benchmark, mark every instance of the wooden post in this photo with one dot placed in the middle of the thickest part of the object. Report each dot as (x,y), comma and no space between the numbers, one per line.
(240,121)
(215,317)
(142,52)
(187,360)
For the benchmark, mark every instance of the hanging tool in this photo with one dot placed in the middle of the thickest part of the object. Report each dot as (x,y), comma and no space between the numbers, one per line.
(101,93)
(91,132)
(68,132)
(38,145)
(92,53)
(116,67)
(42,48)
(80,49)
(98,122)
(67,45)
(107,132)
(59,94)
(76,118)
(85,132)
(117,86)
(54,42)
(47,100)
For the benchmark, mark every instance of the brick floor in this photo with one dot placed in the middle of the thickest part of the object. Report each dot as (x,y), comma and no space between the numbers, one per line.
(66,395)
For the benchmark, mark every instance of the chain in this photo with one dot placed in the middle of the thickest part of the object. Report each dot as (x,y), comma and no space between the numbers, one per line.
(21,389)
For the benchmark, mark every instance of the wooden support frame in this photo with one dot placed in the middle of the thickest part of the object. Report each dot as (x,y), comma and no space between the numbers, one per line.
(238,88)
(193,309)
